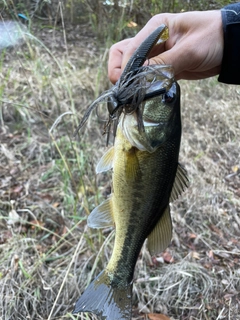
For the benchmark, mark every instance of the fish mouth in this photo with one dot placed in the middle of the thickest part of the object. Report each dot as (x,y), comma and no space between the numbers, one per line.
(150,124)
(130,75)
(146,83)
(137,84)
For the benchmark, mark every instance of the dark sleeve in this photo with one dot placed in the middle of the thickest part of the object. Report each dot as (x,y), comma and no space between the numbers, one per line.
(230,69)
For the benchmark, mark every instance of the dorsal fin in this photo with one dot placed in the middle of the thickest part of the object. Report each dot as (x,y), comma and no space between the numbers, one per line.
(181,183)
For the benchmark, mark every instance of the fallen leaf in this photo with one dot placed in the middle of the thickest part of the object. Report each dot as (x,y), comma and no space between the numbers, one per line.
(132,24)
(224,281)
(46,197)
(56,204)
(210,254)
(14,262)
(228,296)
(216,230)
(13,217)
(17,189)
(192,236)
(159,259)
(235,169)
(234,241)
(14,170)
(195,255)
(207,265)
(5,236)
(168,258)
(36,223)
(157,316)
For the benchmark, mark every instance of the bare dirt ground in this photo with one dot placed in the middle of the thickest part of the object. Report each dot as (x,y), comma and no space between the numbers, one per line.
(48,187)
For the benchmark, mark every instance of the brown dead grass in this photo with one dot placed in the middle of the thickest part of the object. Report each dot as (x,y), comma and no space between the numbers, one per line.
(48,186)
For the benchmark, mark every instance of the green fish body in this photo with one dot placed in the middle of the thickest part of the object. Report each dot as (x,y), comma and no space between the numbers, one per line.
(146,177)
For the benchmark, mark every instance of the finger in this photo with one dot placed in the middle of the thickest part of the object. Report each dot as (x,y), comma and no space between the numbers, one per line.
(178,57)
(187,75)
(122,51)
(115,60)
(185,64)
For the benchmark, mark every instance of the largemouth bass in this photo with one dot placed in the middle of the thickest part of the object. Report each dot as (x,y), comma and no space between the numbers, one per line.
(146,177)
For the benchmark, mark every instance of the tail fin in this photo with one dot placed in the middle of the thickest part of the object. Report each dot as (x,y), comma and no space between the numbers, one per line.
(106,301)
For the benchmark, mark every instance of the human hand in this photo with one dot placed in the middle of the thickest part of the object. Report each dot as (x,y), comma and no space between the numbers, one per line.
(194,47)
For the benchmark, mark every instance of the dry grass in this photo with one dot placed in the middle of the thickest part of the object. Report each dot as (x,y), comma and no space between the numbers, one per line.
(48,186)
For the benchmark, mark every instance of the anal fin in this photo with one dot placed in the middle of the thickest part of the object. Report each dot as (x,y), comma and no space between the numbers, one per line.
(181,183)
(161,236)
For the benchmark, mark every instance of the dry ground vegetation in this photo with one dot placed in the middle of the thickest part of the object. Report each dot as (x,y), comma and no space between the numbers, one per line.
(48,187)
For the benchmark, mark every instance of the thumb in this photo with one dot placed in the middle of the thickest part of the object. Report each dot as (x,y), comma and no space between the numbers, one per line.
(174,58)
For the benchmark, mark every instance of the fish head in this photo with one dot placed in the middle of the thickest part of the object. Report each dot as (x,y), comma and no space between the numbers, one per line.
(161,117)
(161,121)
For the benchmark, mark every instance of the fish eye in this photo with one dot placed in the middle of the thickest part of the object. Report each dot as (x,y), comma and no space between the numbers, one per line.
(169,96)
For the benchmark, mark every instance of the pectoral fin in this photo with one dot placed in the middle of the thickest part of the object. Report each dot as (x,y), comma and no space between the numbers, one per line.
(132,168)
(160,237)
(181,183)
(101,216)
(106,162)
